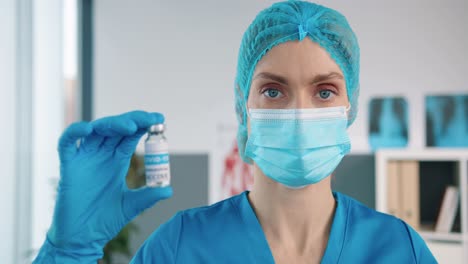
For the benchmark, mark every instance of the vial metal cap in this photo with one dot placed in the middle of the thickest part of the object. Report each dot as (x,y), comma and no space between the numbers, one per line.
(158,128)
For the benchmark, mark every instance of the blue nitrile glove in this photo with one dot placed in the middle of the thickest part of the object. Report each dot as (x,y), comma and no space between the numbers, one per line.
(93,200)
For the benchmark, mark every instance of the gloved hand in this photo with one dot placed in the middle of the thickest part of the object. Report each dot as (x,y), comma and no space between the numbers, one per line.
(93,200)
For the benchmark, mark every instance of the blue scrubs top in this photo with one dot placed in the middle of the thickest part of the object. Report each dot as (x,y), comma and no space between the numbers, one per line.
(229,232)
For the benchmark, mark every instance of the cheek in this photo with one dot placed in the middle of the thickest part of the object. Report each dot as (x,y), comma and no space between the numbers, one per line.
(344,94)
(341,100)
(252,101)
(249,106)
(344,99)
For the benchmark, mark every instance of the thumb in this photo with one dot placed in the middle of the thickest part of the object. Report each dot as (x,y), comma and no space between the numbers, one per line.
(136,201)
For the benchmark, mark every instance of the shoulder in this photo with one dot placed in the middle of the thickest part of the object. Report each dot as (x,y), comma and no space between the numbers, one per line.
(204,224)
(192,220)
(359,213)
(366,226)
(161,246)
(361,220)
(219,210)
(189,226)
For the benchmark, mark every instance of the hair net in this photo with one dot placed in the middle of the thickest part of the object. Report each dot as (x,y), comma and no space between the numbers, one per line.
(289,21)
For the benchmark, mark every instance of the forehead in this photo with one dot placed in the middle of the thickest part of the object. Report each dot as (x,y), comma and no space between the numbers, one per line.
(297,58)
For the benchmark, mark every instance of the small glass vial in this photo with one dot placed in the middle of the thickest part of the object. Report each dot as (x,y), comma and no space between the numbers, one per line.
(157,167)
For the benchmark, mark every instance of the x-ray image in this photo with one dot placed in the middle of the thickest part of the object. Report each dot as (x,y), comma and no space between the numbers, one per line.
(447,121)
(388,123)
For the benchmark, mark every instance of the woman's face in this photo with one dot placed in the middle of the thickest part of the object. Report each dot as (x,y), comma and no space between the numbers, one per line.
(297,75)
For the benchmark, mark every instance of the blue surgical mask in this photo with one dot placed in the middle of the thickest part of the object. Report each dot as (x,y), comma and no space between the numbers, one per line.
(298,147)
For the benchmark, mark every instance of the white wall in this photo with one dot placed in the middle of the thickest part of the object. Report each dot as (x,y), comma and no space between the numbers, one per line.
(48,113)
(179,58)
(30,52)
(176,57)
(409,48)
(7,133)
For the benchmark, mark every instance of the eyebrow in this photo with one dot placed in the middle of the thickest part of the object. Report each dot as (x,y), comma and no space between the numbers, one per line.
(317,78)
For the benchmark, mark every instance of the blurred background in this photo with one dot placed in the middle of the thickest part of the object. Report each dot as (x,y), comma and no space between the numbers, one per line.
(63,61)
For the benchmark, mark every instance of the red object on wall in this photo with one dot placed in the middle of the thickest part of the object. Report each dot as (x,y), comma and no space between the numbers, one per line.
(237,175)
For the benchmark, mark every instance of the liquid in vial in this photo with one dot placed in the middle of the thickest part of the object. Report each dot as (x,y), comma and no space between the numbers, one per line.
(157,167)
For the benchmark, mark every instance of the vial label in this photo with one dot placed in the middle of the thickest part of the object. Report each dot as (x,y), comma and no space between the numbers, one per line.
(157,170)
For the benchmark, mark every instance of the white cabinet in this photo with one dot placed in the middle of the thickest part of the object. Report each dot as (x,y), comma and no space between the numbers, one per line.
(444,252)
(450,247)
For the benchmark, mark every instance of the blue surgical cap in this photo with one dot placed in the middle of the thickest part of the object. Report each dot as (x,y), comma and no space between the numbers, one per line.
(293,21)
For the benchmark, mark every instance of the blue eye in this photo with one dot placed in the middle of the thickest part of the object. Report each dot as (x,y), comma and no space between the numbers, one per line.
(272,93)
(325,94)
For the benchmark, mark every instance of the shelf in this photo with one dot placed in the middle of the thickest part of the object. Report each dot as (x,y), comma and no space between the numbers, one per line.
(426,154)
(446,246)
(437,236)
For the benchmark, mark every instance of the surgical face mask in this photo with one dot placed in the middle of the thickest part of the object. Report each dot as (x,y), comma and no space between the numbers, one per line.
(298,147)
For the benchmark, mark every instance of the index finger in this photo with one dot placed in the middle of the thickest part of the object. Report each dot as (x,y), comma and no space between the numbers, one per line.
(144,119)
(126,124)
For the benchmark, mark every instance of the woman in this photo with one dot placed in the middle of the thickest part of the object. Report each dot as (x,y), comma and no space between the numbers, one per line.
(296,94)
